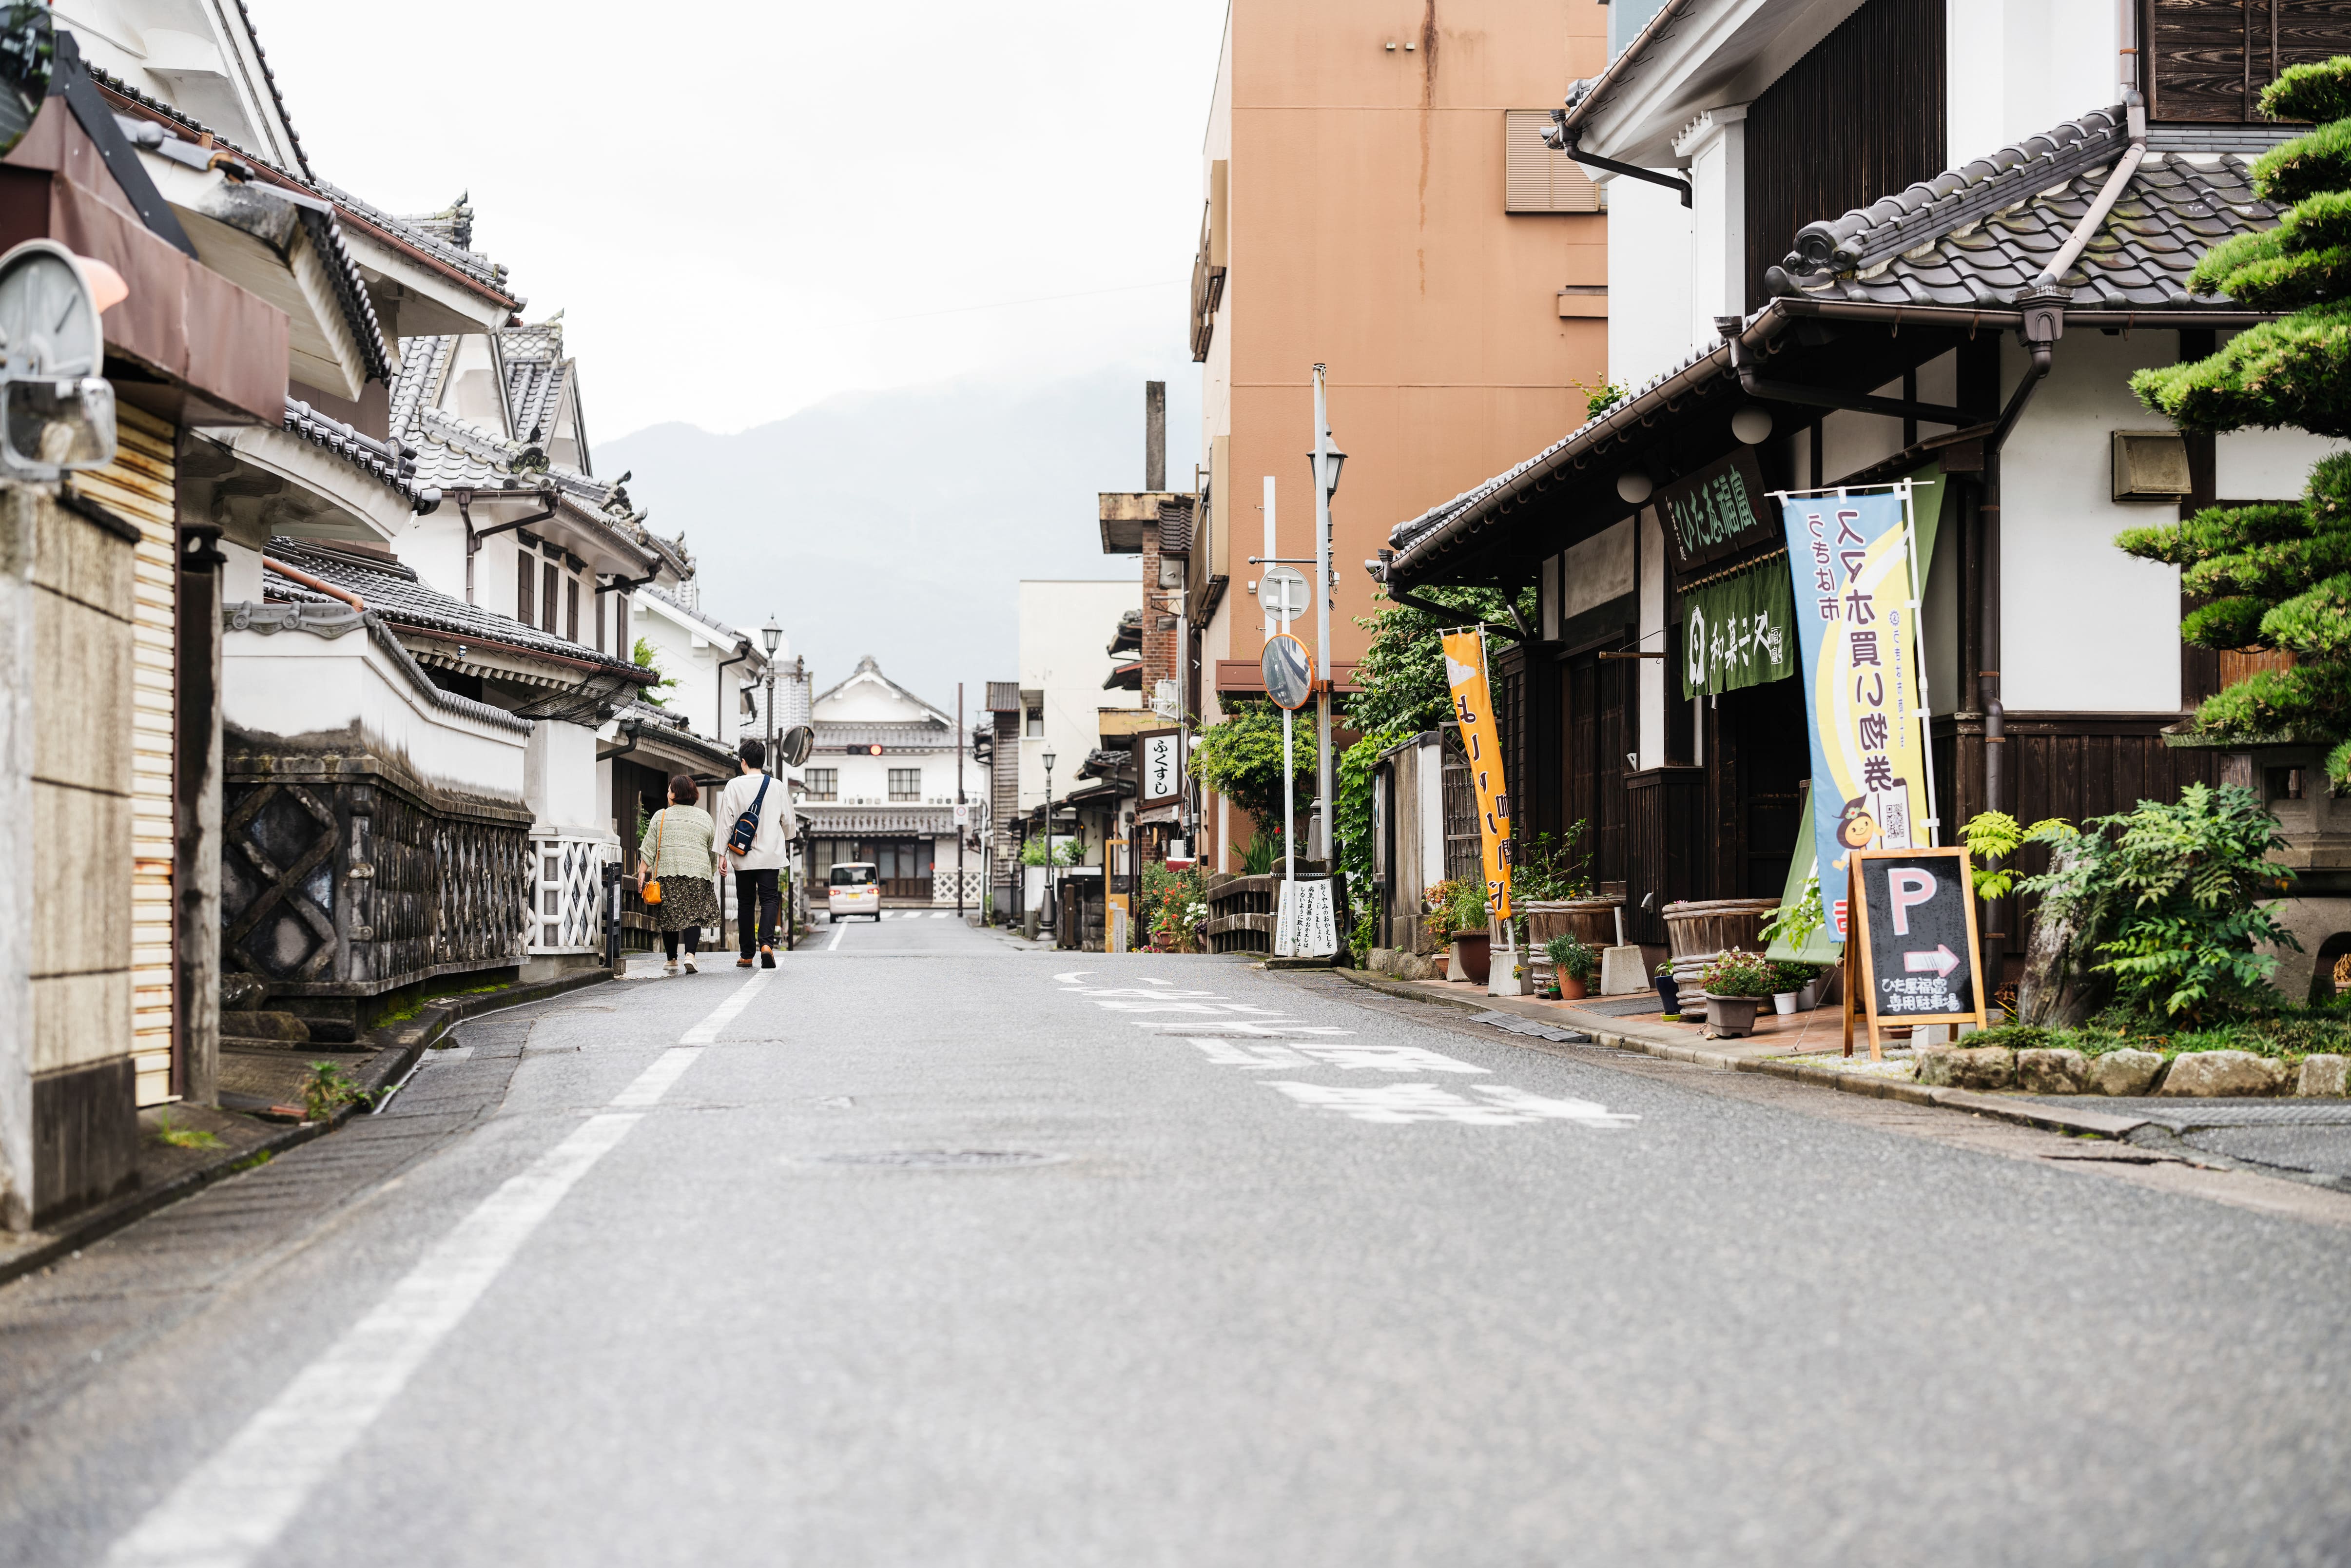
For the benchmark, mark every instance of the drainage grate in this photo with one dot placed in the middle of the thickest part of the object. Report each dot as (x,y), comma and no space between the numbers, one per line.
(1534,1027)
(938,1159)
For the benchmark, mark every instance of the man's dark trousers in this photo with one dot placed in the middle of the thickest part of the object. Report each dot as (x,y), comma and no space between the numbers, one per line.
(756,889)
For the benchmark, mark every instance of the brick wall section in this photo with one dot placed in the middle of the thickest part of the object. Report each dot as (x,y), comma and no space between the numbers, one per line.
(1161,656)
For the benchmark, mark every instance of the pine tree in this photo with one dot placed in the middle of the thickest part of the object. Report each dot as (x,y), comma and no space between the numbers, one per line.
(2277,576)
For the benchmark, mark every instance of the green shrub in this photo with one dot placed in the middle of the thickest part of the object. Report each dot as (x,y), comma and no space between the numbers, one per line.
(1738,974)
(1574,959)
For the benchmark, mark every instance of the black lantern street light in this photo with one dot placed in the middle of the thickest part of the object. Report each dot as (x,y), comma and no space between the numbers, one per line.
(1052,909)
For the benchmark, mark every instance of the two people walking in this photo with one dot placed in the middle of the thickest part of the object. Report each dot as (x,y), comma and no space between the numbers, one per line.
(681,850)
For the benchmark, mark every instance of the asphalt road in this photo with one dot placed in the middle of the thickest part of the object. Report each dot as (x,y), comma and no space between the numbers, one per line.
(932,1248)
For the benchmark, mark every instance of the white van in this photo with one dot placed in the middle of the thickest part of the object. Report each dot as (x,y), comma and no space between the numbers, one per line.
(854,888)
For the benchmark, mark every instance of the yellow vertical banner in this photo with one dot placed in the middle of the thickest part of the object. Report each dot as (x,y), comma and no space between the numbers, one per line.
(1473,710)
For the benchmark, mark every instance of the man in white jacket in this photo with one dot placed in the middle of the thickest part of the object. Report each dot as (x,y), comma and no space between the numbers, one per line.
(759,869)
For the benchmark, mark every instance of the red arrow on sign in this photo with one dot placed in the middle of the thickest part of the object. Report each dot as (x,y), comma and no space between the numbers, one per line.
(1942,960)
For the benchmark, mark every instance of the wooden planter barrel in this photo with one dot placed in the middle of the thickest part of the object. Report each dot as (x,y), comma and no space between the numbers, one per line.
(1697,934)
(1593,919)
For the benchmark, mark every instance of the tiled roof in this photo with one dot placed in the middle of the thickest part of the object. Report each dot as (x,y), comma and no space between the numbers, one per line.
(269,73)
(678,604)
(394,592)
(1175,528)
(926,734)
(394,463)
(1974,238)
(453,452)
(1004,696)
(445,236)
(1979,234)
(536,374)
(829,820)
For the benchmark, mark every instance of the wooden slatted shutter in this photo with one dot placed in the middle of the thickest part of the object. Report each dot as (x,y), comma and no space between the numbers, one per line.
(138,485)
(525,584)
(547,575)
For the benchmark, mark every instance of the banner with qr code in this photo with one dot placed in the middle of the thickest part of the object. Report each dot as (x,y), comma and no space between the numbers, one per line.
(1857,625)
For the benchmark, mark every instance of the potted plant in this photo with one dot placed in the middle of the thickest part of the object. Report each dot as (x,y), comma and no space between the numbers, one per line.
(1736,984)
(1795,987)
(1574,961)
(1457,913)
(1669,990)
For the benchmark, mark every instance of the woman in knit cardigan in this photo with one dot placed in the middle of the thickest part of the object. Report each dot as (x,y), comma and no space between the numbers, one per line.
(679,852)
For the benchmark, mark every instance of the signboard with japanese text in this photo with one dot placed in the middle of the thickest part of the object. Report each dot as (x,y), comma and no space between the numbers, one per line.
(1857,619)
(1159,755)
(1473,710)
(1739,631)
(1717,511)
(1913,960)
(1305,924)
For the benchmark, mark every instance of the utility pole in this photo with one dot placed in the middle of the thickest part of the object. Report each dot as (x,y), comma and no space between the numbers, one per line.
(960,740)
(1325,481)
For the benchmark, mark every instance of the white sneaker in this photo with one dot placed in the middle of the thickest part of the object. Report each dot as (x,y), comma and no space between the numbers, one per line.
(688,962)
(670,968)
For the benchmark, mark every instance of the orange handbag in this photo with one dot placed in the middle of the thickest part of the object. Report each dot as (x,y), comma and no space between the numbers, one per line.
(653,883)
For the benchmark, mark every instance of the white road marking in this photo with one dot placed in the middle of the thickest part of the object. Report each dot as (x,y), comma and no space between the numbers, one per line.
(725,1012)
(231,1508)
(1498,1106)
(834,946)
(938,914)
(1071,978)
(649,1086)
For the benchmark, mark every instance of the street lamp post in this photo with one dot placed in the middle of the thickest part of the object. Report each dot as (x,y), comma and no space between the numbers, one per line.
(772,635)
(1051,908)
(1327,459)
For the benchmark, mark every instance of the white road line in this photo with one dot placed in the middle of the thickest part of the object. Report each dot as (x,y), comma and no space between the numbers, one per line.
(724,1013)
(232,1507)
(834,946)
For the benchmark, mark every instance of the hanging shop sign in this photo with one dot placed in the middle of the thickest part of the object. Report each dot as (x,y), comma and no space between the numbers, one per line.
(1913,960)
(1739,631)
(1856,610)
(1473,710)
(1716,512)
(1161,752)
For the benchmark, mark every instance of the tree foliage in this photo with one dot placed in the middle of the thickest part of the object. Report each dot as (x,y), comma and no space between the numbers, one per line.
(1239,758)
(2277,576)
(1401,680)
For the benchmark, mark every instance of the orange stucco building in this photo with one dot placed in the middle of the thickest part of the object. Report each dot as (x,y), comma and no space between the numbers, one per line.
(1371,200)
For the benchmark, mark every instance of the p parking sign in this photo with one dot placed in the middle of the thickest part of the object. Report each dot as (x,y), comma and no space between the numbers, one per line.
(1912,955)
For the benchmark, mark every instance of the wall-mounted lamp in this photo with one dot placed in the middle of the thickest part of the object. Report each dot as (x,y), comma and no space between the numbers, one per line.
(1751,424)
(1633,487)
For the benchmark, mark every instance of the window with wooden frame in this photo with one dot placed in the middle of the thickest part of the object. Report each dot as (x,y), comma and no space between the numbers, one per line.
(905,783)
(525,584)
(571,608)
(548,577)
(2209,59)
(823,783)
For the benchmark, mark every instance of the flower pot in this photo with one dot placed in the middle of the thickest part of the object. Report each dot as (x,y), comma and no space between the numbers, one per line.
(1475,949)
(1809,997)
(1784,1002)
(1731,1017)
(1669,992)
(1570,990)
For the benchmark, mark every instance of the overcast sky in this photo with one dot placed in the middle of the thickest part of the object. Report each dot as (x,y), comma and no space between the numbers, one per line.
(743,208)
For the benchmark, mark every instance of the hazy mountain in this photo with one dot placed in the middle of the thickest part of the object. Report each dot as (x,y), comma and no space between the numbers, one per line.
(897,523)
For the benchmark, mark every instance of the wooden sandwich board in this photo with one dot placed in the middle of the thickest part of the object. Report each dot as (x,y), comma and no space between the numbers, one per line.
(1911,954)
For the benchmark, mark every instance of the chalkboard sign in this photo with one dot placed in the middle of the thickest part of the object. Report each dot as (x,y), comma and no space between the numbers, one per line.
(1912,955)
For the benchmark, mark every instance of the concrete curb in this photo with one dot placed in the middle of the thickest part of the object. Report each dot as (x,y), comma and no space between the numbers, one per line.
(398,1048)
(436,1019)
(1674,1046)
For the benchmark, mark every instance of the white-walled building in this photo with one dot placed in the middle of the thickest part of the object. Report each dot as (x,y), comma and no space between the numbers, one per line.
(1065,663)
(1854,244)
(882,786)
